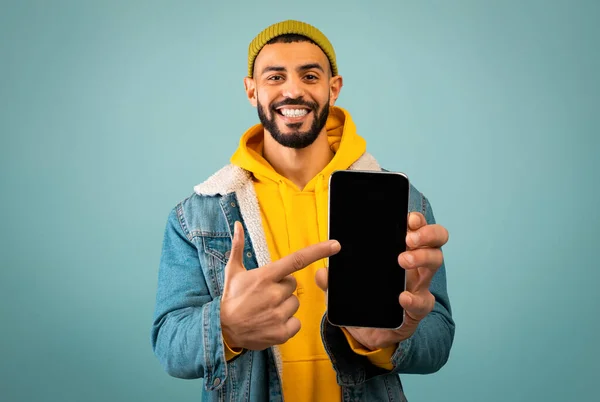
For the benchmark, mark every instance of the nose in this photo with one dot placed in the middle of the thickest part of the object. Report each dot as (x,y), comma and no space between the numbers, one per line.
(292,88)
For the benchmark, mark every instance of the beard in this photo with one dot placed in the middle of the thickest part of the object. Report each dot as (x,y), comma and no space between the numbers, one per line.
(296,139)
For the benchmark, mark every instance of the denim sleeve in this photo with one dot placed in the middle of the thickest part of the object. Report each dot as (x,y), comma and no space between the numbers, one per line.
(425,352)
(186,331)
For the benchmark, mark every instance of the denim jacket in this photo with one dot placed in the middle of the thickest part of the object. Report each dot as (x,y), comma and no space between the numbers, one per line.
(186,332)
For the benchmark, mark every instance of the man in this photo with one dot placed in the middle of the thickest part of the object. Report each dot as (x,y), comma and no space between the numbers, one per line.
(240,299)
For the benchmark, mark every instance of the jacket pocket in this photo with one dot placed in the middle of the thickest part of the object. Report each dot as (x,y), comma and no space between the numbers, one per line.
(217,251)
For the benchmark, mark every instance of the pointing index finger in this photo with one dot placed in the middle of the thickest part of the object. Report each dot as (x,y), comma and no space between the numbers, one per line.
(303,258)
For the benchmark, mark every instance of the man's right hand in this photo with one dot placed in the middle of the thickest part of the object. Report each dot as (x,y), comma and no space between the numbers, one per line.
(258,305)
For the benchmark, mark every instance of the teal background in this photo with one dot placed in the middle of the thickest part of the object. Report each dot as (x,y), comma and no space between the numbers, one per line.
(110,111)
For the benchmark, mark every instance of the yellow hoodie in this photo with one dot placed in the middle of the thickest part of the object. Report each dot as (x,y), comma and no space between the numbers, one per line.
(293,219)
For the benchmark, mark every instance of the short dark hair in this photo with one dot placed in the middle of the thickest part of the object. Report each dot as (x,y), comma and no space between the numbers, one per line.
(289,38)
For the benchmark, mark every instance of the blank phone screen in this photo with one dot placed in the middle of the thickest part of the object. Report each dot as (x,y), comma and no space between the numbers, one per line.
(368,215)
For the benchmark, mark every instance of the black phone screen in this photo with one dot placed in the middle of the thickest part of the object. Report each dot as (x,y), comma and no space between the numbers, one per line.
(368,214)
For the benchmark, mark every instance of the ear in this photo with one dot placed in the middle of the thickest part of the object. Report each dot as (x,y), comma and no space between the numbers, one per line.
(250,86)
(335,87)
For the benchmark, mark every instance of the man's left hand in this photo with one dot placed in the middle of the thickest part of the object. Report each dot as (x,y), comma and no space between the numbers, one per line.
(421,260)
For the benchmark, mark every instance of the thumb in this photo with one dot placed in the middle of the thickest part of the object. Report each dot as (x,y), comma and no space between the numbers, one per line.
(321,279)
(236,259)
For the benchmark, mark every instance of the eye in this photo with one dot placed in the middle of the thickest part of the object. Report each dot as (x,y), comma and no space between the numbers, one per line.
(311,77)
(275,78)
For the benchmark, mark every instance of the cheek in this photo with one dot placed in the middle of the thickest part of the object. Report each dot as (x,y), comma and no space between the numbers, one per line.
(263,103)
(264,96)
(324,97)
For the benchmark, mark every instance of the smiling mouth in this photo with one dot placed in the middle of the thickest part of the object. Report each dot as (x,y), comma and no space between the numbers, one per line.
(293,113)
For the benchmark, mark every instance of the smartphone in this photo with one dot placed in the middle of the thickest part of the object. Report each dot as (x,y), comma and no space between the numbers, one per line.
(368,215)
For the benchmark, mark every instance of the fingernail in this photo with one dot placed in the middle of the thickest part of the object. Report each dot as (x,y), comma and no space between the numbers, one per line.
(236,230)
(414,238)
(409,259)
(336,246)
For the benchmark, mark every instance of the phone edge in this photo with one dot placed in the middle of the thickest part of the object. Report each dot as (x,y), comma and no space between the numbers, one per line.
(329,237)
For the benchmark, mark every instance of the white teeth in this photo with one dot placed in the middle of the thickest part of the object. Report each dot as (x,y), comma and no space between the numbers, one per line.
(294,112)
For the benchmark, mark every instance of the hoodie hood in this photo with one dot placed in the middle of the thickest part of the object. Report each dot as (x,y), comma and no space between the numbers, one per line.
(281,197)
(343,139)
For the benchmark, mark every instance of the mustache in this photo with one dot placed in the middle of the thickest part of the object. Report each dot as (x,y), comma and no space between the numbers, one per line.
(294,102)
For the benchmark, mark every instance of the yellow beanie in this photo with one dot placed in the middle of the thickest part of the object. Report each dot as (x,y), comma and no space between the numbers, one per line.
(290,27)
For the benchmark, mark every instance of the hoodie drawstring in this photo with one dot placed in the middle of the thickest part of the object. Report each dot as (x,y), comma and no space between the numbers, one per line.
(286,200)
(322,207)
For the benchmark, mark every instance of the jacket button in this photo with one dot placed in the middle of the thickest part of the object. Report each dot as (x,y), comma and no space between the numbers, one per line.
(233,204)
(227,254)
(216,382)
(249,254)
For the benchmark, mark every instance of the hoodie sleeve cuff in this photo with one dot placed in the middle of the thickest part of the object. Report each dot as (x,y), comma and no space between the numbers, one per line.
(379,357)
(229,352)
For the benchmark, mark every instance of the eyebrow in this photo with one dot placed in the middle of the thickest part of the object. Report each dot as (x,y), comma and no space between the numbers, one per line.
(311,66)
(304,67)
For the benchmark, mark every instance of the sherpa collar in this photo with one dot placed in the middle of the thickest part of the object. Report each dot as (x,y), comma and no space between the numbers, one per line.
(231,178)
